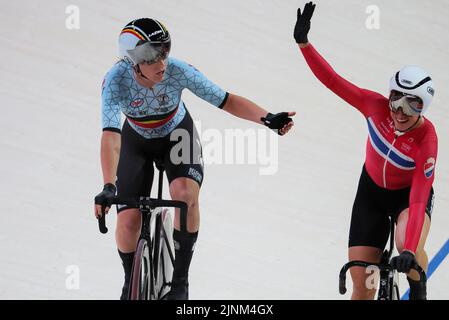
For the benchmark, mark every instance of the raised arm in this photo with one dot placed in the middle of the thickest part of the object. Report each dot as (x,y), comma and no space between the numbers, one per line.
(340,86)
(349,92)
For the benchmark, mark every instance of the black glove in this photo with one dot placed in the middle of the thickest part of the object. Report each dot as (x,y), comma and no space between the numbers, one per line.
(276,121)
(302,26)
(106,196)
(404,262)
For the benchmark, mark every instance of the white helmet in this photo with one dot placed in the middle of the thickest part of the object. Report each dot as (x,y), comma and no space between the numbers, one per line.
(415,81)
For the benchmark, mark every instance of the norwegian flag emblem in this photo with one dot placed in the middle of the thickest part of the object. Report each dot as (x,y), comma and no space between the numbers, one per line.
(429,166)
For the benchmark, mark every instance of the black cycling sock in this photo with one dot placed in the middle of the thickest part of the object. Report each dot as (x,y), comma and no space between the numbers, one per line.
(127,262)
(184,247)
(418,289)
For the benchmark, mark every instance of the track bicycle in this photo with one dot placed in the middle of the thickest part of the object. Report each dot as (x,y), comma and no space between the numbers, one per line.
(154,257)
(389,278)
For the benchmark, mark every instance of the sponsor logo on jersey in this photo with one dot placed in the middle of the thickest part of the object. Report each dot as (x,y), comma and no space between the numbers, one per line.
(163,99)
(429,167)
(385,130)
(136,103)
(162,109)
(195,175)
(390,123)
(406,147)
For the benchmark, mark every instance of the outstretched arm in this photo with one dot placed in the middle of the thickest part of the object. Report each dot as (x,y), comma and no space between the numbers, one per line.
(248,110)
(238,106)
(244,108)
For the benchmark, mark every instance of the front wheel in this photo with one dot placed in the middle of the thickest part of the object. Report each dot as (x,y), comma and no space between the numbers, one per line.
(395,294)
(164,254)
(140,284)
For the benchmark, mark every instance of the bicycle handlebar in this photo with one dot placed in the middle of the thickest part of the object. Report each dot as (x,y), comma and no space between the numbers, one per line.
(381,266)
(146,203)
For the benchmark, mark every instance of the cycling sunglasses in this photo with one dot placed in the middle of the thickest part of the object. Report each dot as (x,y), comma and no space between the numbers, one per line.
(150,52)
(411,105)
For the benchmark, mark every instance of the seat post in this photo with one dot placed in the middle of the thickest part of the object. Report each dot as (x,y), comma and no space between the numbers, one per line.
(160,166)
(160,185)
(392,225)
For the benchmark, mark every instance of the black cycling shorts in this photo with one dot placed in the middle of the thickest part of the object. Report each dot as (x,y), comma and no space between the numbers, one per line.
(135,168)
(373,205)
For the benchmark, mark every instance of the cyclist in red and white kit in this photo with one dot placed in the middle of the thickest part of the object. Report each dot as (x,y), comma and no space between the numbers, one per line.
(399,169)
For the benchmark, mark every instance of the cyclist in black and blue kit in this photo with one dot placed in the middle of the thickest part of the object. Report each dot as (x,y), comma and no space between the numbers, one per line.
(146,86)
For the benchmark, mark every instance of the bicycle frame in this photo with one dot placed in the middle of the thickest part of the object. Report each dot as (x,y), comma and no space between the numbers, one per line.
(388,286)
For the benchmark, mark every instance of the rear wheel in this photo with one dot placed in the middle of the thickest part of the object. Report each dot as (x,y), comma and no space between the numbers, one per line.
(154,260)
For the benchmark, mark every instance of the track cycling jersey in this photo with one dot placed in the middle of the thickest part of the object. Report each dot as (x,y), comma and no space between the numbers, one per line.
(155,112)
